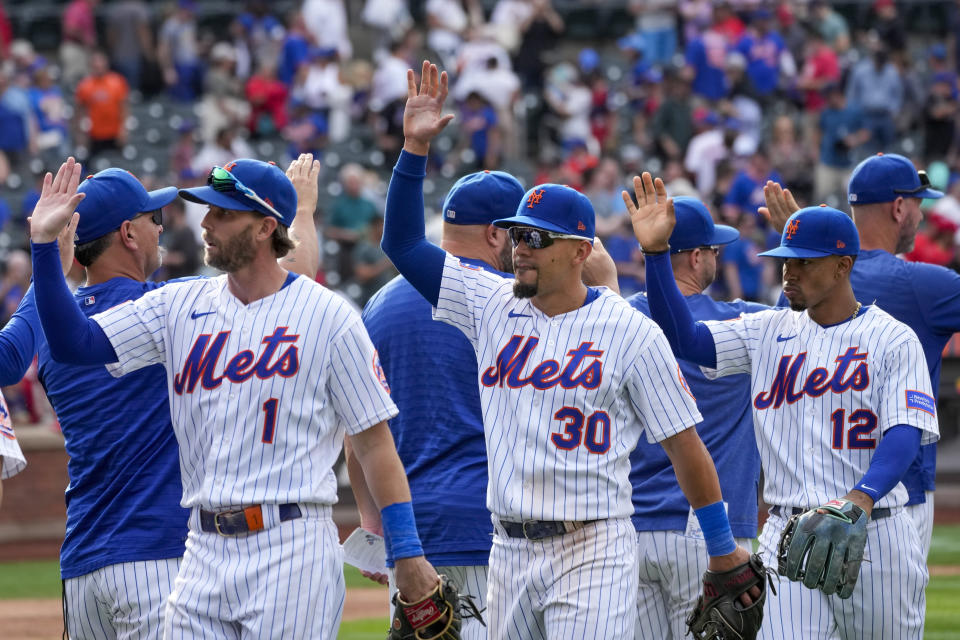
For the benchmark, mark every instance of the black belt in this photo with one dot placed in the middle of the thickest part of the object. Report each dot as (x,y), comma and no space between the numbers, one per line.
(540,529)
(233,523)
(777,510)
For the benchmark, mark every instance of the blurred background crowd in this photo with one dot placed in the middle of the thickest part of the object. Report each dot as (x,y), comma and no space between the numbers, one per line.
(715,97)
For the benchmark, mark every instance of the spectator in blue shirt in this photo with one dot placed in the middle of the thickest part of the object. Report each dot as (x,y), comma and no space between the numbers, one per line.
(842,130)
(763,48)
(706,55)
(746,191)
(876,88)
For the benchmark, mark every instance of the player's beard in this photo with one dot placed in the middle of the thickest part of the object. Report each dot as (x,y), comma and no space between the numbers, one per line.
(235,254)
(523,290)
(506,258)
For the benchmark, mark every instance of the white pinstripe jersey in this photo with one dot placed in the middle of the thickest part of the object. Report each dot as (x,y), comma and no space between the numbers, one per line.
(564,398)
(824,396)
(260,394)
(13,460)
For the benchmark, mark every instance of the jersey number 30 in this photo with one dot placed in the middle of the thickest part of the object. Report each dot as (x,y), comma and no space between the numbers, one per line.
(597,438)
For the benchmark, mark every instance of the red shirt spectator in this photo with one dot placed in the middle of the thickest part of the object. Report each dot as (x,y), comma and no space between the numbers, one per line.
(78,23)
(268,100)
(103,95)
(821,69)
(6,34)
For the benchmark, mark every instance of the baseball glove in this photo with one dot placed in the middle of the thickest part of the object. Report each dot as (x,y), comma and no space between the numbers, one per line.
(719,614)
(823,547)
(438,616)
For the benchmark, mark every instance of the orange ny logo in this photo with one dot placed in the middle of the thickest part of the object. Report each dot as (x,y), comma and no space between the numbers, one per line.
(841,244)
(230,166)
(534,198)
(792,228)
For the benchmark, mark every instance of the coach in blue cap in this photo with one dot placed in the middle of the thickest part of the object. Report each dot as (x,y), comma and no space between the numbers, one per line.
(446,464)
(885,193)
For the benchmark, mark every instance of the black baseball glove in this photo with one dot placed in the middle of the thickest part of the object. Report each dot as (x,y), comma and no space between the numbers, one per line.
(438,616)
(823,547)
(719,614)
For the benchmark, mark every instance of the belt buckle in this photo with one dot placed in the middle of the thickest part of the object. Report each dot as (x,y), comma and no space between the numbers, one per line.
(216,523)
(523,526)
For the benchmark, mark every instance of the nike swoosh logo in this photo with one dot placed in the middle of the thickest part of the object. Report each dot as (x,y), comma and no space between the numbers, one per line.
(511,314)
(782,339)
(197,314)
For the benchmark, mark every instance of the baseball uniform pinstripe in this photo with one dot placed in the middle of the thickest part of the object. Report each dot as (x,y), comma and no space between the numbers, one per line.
(10,453)
(823,397)
(672,555)
(261,396)
(598,376)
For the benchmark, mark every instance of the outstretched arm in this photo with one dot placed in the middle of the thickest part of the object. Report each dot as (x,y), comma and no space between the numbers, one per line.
(404,237)
(72,336)
(653,221)
(305,257)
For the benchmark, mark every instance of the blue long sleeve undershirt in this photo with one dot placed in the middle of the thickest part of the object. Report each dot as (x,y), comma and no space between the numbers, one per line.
(689,339)
(73,337)
(896,450)
(404,235)
(18,341)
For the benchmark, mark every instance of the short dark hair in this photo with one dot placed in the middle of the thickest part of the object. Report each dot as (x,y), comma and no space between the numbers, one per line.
(280,241)
(88,252)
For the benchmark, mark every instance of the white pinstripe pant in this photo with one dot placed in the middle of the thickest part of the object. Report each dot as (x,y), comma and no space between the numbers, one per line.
(470,580)
(670,581)
(922,516)
(888,602)
(122,601)
(284,582)
(578,585)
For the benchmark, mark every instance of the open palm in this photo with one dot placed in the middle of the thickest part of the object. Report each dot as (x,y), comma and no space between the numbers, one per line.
(58,201)
(652,217)
(423,115)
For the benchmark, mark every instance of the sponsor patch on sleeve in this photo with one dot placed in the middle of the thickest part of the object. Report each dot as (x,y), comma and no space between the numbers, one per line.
(378,371)
(921,401)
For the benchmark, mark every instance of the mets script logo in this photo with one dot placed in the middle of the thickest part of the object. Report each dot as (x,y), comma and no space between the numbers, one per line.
(378,371)
(513,358)
(204,359)
(818,382)
(534,198)
(6,426)
(792,227)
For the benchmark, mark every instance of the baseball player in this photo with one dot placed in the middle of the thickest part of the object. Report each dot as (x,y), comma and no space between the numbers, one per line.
(885,192)
(672,554)
(125,528)
(446,464)
(569,377)
(840,391)
(12,461)
(265,370)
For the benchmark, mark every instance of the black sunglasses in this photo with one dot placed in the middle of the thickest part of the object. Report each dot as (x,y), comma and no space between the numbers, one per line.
(924,184)
(537,238)
(156,215)
(707,247)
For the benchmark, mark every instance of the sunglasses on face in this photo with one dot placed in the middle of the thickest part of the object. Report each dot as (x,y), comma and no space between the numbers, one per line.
(924,184)
(537,238)
(156,216)
(222,181)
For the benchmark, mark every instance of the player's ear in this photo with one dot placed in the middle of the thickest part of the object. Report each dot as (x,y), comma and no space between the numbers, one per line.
(126,234)
(495,236)
(898,211)
(267,226)
(584,249)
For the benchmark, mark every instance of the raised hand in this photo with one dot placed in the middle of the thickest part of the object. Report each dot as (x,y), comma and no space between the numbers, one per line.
(58,201)
(652,217)
(780,205)
(304,173)
(423,115)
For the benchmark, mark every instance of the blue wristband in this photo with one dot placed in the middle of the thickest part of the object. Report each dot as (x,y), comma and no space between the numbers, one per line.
(716,529)
(400,531)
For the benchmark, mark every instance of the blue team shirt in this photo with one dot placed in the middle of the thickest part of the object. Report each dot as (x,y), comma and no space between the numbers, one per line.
(727,431)
(432,372)
(123,501)
(926,298)
(763,60)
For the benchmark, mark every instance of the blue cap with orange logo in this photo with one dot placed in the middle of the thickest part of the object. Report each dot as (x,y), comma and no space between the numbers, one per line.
(817,232)
(113,196)
(554,207)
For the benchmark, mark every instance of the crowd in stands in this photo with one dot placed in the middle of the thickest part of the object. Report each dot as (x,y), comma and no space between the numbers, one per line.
(715,97)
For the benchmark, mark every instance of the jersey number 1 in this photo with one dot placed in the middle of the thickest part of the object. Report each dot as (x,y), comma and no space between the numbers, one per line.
(269,419)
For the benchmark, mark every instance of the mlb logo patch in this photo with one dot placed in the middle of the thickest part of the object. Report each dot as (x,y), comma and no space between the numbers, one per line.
(89,300)
(921,401)
(451,214)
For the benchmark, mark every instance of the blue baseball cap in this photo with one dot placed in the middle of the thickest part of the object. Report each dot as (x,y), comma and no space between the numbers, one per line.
(264,179)
(886,177)
(482,197)
(113,196)
(554,207)
(695,227)
(817,232)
